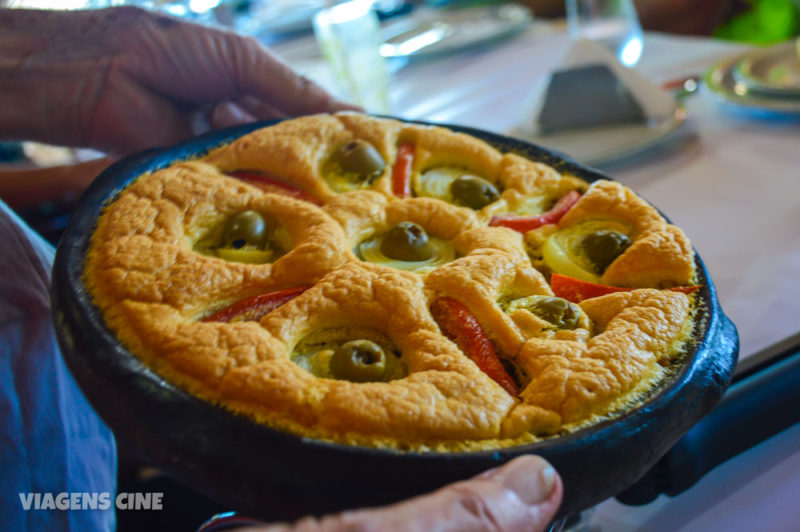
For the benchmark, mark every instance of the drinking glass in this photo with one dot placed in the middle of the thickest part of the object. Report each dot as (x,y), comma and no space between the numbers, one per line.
(349,37)
(611,23)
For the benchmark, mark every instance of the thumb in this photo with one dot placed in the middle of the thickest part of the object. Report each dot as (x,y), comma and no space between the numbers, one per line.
(521,495)
(524,494)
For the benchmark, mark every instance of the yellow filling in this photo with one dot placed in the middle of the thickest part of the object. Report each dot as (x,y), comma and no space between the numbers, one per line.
(313,353)
(443,252)
(562,250)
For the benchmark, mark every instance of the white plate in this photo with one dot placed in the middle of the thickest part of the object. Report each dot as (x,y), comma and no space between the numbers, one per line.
(434,32)
(720,82)
(774,70)
(607,144)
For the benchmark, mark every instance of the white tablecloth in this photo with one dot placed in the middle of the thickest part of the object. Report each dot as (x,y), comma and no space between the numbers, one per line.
(731,181)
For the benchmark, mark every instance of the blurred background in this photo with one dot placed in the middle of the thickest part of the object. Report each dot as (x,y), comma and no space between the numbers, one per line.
(715,147)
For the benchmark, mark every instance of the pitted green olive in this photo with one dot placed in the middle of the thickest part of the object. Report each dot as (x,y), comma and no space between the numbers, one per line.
(603,247)
(473,191)
(559,312)
(406,241)
(359,361)
(360,157)
(247,228)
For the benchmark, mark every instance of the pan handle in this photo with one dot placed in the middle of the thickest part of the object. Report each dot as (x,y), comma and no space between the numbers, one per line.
(757,406)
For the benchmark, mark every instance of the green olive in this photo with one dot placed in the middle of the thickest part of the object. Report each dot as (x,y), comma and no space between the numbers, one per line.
(359,361)
(559,312)
(603,247)
(473,191)
(360,157)
(406,241)
(247,228)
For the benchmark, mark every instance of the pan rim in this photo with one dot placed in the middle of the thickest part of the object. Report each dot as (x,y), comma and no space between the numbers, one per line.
(70,295)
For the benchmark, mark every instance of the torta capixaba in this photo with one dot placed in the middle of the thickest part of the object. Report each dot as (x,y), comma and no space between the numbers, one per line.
(388,284)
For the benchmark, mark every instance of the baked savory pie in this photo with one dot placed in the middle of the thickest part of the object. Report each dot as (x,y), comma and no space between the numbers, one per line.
(380,283)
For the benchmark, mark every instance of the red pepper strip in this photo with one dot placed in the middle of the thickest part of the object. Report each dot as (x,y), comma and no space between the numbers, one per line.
(458,324)
(523,224)
(256,307)
(401,171)
(269,184)
(576,290)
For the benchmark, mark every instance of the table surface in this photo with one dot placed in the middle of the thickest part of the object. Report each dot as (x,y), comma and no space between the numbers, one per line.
(730,179)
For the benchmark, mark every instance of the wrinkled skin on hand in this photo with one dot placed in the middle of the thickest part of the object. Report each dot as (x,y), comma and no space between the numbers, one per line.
(522,495)
(124,79)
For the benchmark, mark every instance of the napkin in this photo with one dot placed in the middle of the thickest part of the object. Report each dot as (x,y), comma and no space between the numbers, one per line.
(590,88)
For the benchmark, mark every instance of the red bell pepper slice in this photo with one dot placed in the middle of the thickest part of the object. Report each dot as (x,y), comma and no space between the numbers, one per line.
(461,326)
(256,307)
(275,186)
(401,171)
(523,224)
(576,290)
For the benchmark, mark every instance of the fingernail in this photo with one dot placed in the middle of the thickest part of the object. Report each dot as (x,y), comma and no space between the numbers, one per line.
(548,477)
(530,477)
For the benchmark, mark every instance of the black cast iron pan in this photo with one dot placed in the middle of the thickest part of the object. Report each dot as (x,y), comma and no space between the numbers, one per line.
(274,475)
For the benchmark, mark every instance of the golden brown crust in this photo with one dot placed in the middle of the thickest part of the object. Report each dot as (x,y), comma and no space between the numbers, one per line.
(142,249)
(150,279)
(480,281)
(293,150)
(634,330)
(436,146)
(530,187)
(660,255)
(658,258)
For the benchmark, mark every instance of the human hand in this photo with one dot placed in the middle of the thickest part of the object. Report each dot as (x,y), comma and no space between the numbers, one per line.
(124,79)
(521,495)
(30,186)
